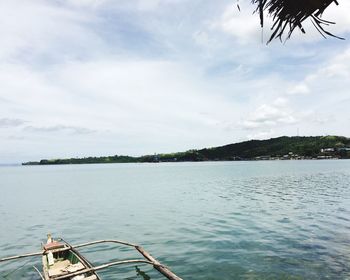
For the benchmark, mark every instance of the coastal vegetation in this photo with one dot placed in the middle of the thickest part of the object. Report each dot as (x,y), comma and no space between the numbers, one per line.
(312,147)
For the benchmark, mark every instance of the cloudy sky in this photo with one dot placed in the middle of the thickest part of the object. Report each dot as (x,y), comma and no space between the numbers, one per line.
(105,77)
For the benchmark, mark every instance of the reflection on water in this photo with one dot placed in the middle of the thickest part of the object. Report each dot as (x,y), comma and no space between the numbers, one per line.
(141,273)
(224,220)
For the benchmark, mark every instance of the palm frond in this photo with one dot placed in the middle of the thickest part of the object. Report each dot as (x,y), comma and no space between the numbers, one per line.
(290,14)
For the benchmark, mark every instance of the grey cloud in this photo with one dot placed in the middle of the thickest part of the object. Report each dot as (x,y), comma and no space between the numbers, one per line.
(60,128)
(4,100)
(14,137)
(6,122)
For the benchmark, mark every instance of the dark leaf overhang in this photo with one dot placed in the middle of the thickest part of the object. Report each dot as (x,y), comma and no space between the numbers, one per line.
(290,14)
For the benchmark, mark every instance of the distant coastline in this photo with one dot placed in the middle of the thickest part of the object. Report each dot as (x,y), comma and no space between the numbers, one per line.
(281,148)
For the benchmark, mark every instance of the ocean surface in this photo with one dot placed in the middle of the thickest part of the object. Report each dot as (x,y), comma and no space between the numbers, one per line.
(211,220)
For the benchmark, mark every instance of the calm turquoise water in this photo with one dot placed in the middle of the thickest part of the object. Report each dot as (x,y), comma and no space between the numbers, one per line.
(223,220)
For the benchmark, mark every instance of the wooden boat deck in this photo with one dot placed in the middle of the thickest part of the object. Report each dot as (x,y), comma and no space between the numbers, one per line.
(64,267)
(61,261)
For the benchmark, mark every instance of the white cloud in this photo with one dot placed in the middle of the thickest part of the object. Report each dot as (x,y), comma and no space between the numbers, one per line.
(201,38)
(148,4)
(43,29)
(88,77)
(270,115)
(298,89)
(243,25)
(85,3)
(330,78)
(119,100)
(337,67)
(262,135)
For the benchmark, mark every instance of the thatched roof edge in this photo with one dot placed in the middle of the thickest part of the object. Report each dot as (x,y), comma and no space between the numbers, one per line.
(290,14)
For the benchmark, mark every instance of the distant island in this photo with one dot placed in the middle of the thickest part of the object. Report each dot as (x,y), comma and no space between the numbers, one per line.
(281,148)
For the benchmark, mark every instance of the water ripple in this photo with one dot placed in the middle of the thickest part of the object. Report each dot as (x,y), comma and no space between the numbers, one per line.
(249,220)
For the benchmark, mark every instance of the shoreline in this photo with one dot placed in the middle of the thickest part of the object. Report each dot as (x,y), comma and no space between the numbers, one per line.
(159,162)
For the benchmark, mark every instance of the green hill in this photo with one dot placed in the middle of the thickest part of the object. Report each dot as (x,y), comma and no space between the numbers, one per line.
(302,146)
(275,148)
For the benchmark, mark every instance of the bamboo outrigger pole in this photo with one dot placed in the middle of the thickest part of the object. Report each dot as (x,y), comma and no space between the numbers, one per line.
(38,271)
(103,266)
(156,264)
(149,258)
(22,256)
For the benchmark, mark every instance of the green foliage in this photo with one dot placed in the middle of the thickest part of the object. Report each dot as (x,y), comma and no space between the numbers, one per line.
(87,160)
(307,147)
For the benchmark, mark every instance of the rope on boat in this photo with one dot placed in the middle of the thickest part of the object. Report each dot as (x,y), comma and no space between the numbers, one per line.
(37,270)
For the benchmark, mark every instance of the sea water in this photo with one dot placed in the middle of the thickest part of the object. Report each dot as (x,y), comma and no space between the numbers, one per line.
(209,220)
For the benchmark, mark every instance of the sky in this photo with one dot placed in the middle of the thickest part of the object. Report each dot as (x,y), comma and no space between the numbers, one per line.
(105,77)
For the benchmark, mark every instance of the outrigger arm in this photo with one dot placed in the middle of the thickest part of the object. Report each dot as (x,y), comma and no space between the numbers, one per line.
(149,259)
(22,256)
(100,268)
(38,271)
(156,264)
